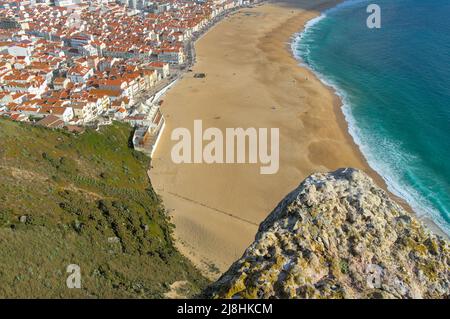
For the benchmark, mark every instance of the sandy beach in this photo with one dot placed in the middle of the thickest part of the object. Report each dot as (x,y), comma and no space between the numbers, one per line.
(252,81)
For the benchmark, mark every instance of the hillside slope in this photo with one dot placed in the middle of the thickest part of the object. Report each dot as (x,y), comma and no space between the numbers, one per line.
(338,235)
(84,200)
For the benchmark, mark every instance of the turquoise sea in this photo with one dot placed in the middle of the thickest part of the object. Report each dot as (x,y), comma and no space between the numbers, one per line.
(395,86)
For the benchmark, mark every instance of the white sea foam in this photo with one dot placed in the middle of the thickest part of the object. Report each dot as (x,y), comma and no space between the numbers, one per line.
(310,23)
(373,148)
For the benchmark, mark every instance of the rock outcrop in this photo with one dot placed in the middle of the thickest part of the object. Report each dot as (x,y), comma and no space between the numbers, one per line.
(338,235)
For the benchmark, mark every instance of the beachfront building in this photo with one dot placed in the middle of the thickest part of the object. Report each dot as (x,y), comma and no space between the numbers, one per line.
(146,137)
(162,69)
(173,55)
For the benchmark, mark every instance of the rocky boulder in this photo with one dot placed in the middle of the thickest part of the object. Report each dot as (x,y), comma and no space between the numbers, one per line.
(339,235)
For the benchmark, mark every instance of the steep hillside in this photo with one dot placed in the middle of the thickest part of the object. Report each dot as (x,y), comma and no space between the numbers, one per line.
(85,200)
(338,235)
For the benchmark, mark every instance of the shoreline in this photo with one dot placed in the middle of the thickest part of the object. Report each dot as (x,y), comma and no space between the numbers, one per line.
(429,223)
(253,80)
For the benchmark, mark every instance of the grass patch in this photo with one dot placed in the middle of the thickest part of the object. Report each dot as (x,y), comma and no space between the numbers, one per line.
(86,200)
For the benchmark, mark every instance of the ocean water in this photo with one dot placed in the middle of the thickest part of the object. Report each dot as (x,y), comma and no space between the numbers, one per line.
(395,87)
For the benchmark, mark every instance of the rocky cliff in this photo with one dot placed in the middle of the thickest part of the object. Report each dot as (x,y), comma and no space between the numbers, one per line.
(339,235)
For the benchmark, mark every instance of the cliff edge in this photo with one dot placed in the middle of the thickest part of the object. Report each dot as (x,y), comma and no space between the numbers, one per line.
(339,235)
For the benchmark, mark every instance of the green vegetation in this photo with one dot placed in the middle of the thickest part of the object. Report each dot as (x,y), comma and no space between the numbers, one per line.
(86,200)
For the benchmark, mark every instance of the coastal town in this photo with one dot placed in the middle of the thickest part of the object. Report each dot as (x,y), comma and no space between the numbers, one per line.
(75,63)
